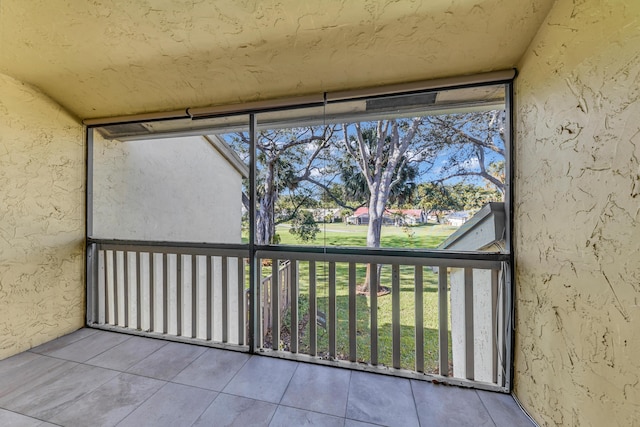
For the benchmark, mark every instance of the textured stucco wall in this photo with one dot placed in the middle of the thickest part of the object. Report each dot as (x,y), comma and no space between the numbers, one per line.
(577,210)
(41,219)
(173,189)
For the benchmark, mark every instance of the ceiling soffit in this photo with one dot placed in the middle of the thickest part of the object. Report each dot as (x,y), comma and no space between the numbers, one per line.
(106,58)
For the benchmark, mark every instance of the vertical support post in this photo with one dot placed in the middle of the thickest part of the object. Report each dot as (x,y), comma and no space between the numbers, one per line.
(293,301)
(508,288)
(353,323)
(194,296)
(313,310)
(225,299)
(373,298)
(443,323)
(395,314)
(89,182)
(275,304)
(255,336)
(333,318)
(419,317)
(91,262)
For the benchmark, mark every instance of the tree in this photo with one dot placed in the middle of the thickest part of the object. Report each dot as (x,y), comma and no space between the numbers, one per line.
(476,145)
(436,198)
(380,153)
(285,159)
(304,227)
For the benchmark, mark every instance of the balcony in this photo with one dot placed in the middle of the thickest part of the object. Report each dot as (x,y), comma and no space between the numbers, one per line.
(201,294)
(95,377)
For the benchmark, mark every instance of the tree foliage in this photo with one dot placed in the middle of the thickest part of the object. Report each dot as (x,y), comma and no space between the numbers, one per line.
(285,159)
(304,227)
(475,142)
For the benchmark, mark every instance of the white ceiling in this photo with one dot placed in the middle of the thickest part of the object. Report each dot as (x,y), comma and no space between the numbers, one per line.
(114,57)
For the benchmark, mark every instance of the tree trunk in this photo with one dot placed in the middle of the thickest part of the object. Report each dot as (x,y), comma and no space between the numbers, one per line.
(377,203)
(265,222)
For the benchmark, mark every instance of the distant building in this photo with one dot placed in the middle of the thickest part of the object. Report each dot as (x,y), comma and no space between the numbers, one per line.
(457,218)
(398,217)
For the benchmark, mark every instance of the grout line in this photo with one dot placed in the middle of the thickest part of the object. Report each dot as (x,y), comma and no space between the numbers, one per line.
(188,364)
(31,350)
(29,416)
(346,406)
(485,408)
(238,371)
(415,404)
(289,382)
(307,410)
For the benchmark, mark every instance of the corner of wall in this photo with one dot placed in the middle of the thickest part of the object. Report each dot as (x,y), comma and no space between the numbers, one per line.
(42,219)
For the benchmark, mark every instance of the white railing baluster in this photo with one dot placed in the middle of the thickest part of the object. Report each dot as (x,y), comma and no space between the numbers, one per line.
(152,292)
(293,279)
(225,299)
(332,318)
(179,293)
(313,311)
(468,322)
(108,287)
(102,288)
(125,284)
(264,309)
(353,324)
(241,301)
(194,297)
(419,317)
(443,323)
(116,292)
(275,305)
(373,298)
(210,297)
(138,292)
(395,314)
(165,293)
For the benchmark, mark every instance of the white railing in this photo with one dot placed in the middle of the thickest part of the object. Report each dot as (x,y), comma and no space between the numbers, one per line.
(182,292)
(467,345)
(444,318)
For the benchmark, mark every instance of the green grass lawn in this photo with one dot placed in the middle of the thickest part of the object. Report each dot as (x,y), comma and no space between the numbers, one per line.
(338,234)
(424,237)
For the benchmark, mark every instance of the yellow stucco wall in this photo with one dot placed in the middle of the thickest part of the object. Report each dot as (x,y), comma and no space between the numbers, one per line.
(41,219)
(577,209)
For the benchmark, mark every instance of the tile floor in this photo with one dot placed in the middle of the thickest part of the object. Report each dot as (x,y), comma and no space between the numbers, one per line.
(99,378)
